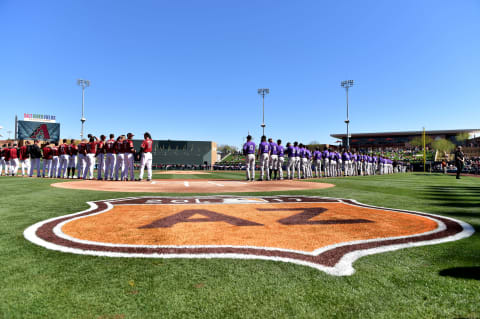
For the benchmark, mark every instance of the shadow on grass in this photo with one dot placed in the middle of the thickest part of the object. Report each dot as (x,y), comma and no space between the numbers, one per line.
(462,272)
(454,196)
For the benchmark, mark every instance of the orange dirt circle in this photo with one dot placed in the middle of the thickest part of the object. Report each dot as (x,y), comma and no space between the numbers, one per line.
(192,186)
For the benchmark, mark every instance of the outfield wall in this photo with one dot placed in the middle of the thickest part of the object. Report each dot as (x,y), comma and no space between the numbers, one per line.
(182,152)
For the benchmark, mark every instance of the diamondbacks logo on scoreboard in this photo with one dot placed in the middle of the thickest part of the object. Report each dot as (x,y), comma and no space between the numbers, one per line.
(39,131)
(328,234)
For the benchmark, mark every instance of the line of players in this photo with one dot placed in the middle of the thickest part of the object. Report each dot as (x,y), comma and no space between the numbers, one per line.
(303,163)
(115,158)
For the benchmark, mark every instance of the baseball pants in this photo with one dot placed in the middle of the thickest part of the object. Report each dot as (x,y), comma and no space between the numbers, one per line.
(304,164)
(55,167)
(318,168)
(119,166)
(34,164)
(333,168)
(14,166)
(101,166)
(90,166)
(281,160)
(264,160)
(128,168)
(298,166)
(82,164)
(47,167)
(146,161)
(273,162)
(291,167)
(62,172)
(25,166)
(326,167)
(250,163)
(3,166)
(109,166)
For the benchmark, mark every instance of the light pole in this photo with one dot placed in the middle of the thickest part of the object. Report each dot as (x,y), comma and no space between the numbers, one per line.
(83,84)
(347,84)
(262,92)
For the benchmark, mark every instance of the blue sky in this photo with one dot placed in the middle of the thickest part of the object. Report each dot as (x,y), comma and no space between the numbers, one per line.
(191,69)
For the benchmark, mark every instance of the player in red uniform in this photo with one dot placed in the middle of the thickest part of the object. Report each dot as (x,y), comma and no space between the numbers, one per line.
(72,151)
(47,160)
(120,158)
(101,157)
(146,156)
(14,160)
(129,158)
(24,159)
(109,157)
(3,164)
(82,158)
(6,155)
(64,157)
(91,152)
(55,161)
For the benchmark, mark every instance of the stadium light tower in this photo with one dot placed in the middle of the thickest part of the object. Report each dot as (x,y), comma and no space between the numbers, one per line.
(83,84)
(262,92)
(347,84)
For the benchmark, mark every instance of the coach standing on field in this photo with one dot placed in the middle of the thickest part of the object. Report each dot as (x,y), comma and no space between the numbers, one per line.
(459,161)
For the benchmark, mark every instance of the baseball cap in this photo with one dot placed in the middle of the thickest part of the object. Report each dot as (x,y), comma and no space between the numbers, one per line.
(130,134)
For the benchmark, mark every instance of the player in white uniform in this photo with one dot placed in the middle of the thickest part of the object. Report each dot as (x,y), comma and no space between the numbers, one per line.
(273,158)
(101,158)
(146,159)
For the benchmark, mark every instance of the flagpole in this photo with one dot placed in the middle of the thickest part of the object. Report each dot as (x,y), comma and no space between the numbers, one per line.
(424,152)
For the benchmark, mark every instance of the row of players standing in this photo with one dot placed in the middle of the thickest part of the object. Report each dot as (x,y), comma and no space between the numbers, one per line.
(300,161)
(115,158)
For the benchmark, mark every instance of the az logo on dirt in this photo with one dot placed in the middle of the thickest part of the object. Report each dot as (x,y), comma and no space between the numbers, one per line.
(328,234)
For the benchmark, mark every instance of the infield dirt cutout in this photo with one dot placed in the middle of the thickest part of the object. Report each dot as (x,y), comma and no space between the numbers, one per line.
(328,234)
(192,186)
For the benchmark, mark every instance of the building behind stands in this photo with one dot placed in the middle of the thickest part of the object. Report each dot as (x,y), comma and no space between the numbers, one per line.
(400,139)
(167,152)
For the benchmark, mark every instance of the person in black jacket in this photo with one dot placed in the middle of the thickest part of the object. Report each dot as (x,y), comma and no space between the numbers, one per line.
(459,160)
(35,154)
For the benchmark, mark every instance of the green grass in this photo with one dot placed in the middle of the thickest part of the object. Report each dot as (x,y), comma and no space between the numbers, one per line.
(39,283)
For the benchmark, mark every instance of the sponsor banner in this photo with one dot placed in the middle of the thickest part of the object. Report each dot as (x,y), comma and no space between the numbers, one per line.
(38,131)
(39,118)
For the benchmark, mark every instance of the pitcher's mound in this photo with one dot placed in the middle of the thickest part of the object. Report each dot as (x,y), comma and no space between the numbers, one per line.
(192,186)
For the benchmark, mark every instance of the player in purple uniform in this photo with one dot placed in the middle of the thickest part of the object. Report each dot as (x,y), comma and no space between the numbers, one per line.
(264,154)
(303,161)
(308,154)
(326,162)
(297,160)
(281,159)
(273,158)
(291,160)
(249,152)
(317,162)
(333,164)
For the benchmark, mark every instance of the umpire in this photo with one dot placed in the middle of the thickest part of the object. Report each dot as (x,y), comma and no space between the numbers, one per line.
(459,160)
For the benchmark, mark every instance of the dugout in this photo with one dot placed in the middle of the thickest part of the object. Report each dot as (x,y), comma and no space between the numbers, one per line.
(166,152)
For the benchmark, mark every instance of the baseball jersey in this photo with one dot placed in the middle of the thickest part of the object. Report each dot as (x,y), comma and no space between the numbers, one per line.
(100,147)
(92,147)
(280,151)
(301,153)
(13,153)
(54,151)
(128,146)
(297,151)
(345,156)
(291,151)
(249,148)
(82,148)
(119,147)
(308,154)
(273,148)
(325,154)
(264,147)
(23,153)
(147,145)
(317,155)
(6,153)
(110,146)
(47,153)
(72,149)
(62,149)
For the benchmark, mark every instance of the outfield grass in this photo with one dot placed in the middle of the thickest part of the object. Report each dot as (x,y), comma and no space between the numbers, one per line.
(440,281)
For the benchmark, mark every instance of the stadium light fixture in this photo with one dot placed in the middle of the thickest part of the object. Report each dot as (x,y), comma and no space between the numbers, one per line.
(83,84)
(262,92)
(347,84)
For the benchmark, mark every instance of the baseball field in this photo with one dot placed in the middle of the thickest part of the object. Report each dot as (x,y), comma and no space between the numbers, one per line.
(434,278)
